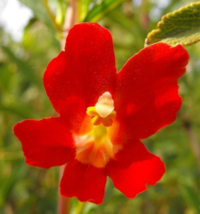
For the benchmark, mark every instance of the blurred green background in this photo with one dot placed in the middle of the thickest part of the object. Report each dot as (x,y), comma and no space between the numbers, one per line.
(23,60)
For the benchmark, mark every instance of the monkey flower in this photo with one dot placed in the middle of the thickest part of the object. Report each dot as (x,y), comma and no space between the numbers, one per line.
(103,114)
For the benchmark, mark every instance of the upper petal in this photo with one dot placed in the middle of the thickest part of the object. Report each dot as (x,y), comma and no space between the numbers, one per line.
(85,70)
(134,167)
(147,97)
(45,142)
(83,181)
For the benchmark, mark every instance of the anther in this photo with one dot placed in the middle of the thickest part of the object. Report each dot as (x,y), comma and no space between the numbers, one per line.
(103,111)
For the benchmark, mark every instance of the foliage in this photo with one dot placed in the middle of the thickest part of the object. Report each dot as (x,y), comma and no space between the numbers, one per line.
(179,27)
(25,189)
(100,10)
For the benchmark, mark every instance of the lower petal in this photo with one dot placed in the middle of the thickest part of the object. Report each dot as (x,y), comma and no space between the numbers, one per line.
(83,181)
(134,168)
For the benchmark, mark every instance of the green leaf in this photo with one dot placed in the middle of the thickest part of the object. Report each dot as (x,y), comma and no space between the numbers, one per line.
(190,196)
(24,68)
(180,27)
(39,10)
(122,20)
(17,109)
(9,182)
(100,10)
(84,6)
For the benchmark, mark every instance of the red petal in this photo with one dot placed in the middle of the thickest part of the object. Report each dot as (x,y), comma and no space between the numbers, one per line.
(133,168)
(77,77)
(147,92)
(83,181)
(45,142)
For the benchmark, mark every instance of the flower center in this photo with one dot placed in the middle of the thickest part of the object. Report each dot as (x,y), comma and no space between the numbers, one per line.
(103,111)
(95,147)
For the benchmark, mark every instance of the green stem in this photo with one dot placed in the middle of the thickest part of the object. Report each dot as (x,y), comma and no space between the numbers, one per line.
(80,208)
(51,15)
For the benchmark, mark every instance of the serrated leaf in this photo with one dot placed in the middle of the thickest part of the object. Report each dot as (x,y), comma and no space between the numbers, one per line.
(180,27)
(100,10)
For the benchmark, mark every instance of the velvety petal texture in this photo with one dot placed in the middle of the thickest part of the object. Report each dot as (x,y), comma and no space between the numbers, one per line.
(83,181)
(45,142)
(146,97)
(79,75)
(133,168)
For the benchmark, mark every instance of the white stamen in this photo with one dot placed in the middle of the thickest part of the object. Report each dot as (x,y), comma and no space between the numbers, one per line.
(105,105)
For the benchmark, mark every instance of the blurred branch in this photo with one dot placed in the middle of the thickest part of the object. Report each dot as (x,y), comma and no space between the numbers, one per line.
(144,15)
(71,19)
(51,15)
(63,202)
(193,141)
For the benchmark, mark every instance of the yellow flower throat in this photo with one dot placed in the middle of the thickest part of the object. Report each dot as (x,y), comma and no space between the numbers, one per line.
(95,147)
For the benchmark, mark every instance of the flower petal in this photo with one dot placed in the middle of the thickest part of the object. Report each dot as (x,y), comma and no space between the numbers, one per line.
(85,70)
(45,142)
(147,97)
(134,167)
(83,181)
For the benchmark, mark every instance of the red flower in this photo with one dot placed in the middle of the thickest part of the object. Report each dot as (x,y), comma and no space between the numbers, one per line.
(103,115)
